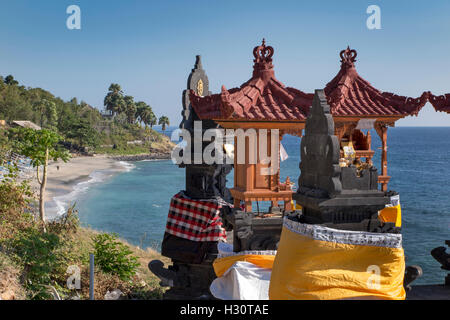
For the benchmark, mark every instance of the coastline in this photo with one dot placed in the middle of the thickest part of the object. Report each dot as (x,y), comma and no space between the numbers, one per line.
(65,181)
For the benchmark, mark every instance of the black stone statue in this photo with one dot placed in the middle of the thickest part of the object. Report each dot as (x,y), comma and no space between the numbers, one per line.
(330,195)
(202,181)
(197,81)
(191,272)
(440,255)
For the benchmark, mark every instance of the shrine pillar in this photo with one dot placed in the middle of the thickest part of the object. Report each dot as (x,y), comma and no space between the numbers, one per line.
(384,156)
(381,129)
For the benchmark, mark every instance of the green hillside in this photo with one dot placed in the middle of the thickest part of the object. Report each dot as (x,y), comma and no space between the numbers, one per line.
(125,128)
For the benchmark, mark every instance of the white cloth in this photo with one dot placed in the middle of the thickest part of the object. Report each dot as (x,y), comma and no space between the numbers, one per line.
(283,153)
(395,201)
(242,281)
(365,124)
(224,248)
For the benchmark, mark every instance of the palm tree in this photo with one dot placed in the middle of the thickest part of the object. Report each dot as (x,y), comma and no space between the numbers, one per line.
(46,110)
(146,116)
(153,120)
(130,109)
(114,101)
(9,80)
(164,121)
(140,107)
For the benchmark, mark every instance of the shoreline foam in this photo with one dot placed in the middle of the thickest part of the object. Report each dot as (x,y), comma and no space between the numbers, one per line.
(64,185)
(58,205)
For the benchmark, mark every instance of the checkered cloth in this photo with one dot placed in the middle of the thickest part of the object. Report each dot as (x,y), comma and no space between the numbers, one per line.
(196,220)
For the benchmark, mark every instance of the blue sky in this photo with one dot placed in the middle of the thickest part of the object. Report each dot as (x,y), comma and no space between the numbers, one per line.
(149,47)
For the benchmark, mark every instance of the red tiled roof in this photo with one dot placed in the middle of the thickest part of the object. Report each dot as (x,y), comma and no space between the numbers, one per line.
(350,95)
(263,97)
(440,103)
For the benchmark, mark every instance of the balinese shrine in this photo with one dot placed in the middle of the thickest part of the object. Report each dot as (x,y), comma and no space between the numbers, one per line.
(263,102)
(340,118)
(355,105)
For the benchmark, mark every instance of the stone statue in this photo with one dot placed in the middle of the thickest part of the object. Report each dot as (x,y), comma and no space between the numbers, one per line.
(330,195)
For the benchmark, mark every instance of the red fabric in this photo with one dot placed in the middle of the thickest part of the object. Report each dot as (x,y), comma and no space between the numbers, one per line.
(195,220)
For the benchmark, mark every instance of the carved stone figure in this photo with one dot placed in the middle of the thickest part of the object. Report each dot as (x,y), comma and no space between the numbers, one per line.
(331,195)
(197,81)
(440,255)
(191,272)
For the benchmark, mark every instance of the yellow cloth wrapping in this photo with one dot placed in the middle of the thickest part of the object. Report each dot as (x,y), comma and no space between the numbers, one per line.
(391,214)
(318,263)
(265,261)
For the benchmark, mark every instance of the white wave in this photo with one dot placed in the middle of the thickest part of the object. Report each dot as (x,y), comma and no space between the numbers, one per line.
(128,166)
(147,160)
(59,204)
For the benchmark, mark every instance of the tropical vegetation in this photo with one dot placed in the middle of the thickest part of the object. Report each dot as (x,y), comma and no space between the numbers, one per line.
(83,128)
(164,122)
(38,265)
(35,254)
(39,146)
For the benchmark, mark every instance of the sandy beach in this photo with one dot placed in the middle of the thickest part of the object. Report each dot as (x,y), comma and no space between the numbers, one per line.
(63,178)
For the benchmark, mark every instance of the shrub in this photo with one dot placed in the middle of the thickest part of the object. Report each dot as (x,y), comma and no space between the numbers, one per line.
(15,200)
(67,224)
(10,286)
(42,258)
(14,195)
(114,257)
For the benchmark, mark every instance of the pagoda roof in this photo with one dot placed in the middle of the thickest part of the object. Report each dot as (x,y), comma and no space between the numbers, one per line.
(350,95)
(264,98)
(440,103)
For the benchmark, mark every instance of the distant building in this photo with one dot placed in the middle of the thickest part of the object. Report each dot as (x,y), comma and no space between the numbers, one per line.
(107,114)
(25,124)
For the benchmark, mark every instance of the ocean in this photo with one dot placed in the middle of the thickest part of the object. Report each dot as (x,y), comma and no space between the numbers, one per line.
(134,204)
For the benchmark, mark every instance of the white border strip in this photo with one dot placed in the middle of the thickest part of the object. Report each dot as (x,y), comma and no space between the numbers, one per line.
(241,253)
(388,240)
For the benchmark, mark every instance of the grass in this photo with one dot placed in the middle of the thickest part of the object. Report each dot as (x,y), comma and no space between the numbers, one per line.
(10,286)
(161,145)
(16,271)
(155,142)
(34,263)
(143,285)
(129,150)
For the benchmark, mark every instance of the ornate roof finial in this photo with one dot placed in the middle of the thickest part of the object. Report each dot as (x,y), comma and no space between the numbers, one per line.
(263,53)
(348,56)
(263,60)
